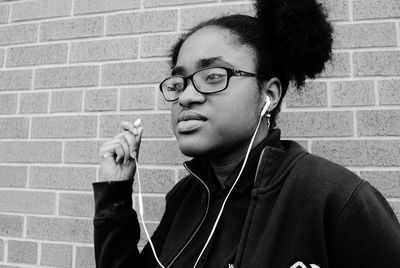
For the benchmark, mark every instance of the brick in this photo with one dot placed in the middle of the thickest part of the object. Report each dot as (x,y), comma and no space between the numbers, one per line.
(136,98)
(15,79)
(192,16)
(18,34)
(8,103)
(337,9)
(316,124)
(56,255)
(314,94)
(154,125)
(11,225)
(72,28)
(40,9)
(30,152)
(115,49)
(101,100)
(353,93)
(182,173)
(61,77)
(370,9)
(156,180)
(387,182)
(380,153)
(338,66)
(1,249)
(153,207)
(157,3)
(378,123)
(303,143)
(2,57)
(365,35)
(396,208)
(162,104)
(90,6)
(36,55)
(84,257)
(60,229)
(30,103)
(142,22)
(157,45)
(27,202)
(389,91)
(13,176)
(62,178)
(14,127)
(134,73)
(22,252)
(64,126)
(66,101)
(151,227)
(160,152)
(376,63)
(4,10)
(76,205)
(82,152)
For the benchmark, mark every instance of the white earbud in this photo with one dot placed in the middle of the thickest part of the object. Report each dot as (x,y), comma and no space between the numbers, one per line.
(266,106)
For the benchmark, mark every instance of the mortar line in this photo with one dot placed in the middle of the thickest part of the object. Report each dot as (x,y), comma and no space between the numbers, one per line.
(351,9)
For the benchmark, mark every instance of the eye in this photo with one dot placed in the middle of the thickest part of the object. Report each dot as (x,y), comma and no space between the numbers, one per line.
(215,77)
(175,87)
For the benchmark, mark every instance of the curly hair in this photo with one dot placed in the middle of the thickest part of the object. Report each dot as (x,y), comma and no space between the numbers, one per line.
(292,40)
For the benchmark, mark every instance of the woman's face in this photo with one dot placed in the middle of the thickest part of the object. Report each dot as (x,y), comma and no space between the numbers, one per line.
(220,123)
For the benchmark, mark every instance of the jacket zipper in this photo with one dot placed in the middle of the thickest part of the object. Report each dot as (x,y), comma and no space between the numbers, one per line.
(258,166)
(202,220)
(208,204)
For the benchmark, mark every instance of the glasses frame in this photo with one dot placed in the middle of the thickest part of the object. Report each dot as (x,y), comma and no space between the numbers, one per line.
(230,72)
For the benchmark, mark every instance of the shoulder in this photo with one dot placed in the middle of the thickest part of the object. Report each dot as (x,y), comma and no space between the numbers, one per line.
(324,175)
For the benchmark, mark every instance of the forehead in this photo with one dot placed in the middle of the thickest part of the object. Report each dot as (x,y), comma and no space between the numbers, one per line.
(210,43)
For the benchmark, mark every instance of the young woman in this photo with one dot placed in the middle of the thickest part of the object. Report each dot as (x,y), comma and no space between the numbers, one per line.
(274,206)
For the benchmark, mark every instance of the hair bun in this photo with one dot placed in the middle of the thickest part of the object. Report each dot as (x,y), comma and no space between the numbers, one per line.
(299,34)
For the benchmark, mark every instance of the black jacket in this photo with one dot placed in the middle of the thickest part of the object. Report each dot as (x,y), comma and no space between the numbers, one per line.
(304,211)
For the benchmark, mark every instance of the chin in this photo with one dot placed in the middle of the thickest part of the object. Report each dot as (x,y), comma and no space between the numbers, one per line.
(191,147)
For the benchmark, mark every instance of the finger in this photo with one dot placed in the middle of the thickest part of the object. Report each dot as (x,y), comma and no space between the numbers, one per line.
(107,150)
(125,147)
(139,136)
(119,150)
(126,125)
(132,143)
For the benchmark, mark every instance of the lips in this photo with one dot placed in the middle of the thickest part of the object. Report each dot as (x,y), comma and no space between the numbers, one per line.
(188,115)
(189,121)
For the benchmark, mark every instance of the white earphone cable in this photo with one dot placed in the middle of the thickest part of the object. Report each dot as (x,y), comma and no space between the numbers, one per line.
(140,197)
(229,193)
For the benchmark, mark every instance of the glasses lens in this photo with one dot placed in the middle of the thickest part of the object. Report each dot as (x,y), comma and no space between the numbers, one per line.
(172,87)
(211,80)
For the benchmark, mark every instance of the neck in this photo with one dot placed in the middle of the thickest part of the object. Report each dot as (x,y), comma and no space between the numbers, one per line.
(223,165)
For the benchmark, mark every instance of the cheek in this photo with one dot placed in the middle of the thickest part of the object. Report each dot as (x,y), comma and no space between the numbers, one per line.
(174,115)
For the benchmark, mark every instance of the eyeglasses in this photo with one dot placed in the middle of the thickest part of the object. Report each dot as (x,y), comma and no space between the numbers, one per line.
(206,81)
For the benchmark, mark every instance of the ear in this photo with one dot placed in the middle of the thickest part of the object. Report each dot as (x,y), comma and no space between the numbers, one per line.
(273,89)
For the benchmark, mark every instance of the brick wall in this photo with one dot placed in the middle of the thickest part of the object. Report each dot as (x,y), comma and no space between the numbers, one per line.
(71,70)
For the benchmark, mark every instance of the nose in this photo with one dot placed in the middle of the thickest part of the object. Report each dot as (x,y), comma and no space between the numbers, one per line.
(190,95)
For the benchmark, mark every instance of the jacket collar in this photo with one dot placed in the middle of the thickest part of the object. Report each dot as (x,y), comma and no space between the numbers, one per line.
(271,146)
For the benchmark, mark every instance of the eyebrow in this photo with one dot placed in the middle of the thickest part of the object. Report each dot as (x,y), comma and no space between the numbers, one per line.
(202,63)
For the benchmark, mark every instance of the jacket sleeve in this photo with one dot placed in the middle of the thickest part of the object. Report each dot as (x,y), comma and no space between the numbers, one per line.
(366,232)
(116,228)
